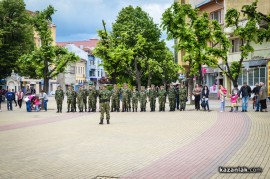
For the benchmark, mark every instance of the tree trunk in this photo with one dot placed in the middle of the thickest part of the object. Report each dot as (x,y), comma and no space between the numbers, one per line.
(190,87)
(46,85)
(46,78)
(149,79)
(138,75)
(200,78)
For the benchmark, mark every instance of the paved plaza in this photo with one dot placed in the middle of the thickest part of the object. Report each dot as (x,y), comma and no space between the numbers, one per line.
(147,145)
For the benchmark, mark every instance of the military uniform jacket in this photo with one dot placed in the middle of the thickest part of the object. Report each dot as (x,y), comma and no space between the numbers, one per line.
(171,93)
(152,93)
(80,94)
(135,95)
(162,94)
(143,95)
(59,94)
(105,95)
(115,93)
(93,93)
(69,94)
(126,93)
(85,94)
(182,93)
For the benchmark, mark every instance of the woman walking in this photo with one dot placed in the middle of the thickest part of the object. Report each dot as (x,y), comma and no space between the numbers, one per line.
(205,96)
(197,93)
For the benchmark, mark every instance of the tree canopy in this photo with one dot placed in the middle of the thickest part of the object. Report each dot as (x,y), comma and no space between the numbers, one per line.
(131,52)
(16,35)
(48,60)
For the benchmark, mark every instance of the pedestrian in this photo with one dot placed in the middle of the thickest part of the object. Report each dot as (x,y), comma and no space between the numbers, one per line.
(197,94)
(256,91)
(104,96)
(125,98)
(28,91)
(1,97)
(80,99)
(172,96)
(85,94)
(245,91)
(20,96)
(182,97)
(152,97)
(115,102)
(37,104)
(222,94)
(28,99)
(59,98)
(44,98)
(10,98)
(263,96)
(234,101)
(205,97)
(134,99)
(69,94)
(92,99)
(14,97)
(143,99)
(161,98)
(74,103)
(177,100)
(235,90)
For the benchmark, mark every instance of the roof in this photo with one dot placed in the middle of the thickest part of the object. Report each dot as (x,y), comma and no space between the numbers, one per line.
(203,3)
(91,43)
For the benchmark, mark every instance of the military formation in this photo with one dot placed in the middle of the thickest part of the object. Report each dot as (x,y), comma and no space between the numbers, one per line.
(109,100)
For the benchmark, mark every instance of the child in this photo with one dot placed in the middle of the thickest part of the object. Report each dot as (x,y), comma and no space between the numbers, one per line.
(37,104)
(234,101)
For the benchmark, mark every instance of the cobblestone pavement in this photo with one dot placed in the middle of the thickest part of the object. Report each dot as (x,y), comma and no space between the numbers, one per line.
(189,144)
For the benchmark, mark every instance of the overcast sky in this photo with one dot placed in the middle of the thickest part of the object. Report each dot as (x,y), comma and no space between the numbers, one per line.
(80,19)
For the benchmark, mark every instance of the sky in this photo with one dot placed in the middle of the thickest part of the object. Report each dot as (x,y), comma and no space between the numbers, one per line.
(80,19)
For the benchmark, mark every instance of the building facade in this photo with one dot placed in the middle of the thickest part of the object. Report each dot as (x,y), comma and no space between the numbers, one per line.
(94,69)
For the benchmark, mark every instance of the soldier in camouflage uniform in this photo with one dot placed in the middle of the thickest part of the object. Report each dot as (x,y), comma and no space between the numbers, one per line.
(74,97)
(125,98)
(69,94)
(152,94)
(182,97)
(135,98)
(115,99)
(59,97)
(171,95)
(92,99)
(143,99)
(85,94)
(161,98)
(104,96)
(80,99)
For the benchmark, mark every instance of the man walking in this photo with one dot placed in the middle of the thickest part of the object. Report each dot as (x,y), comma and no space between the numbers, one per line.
(59,97)
(104,96)
(10,98)
(245,90)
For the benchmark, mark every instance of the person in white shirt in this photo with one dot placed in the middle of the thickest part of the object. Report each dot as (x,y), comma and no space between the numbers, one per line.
(44,97)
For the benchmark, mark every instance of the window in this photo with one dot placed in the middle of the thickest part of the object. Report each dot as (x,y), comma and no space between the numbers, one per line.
(98,73)
(236,45)
(252,76)
(216,16)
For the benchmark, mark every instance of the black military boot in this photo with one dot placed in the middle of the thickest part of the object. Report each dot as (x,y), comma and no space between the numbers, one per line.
(118,110)
(141,110)
(144,110)
(132,109)
(68,110)
(136,109)
(101,121)
(108,121)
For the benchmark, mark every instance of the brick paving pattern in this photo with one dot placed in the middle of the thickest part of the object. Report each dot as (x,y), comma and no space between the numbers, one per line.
(190,144)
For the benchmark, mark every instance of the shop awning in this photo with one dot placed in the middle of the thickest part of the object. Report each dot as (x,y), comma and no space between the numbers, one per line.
(254,63)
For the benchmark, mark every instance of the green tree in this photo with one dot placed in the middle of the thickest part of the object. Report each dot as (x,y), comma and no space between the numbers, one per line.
(48,60)
(194,32)
(255,29)
(16,35)
(128,48)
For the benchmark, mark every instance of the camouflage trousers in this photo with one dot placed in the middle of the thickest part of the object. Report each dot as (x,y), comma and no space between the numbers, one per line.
(80,104)
(134,103)
(92,104)
(152,103)
(105,108)
(69,104)
(172,103)
(115,103)
(143,103)
(161,101)
(183,103)
(125,103)
(59,103)
(85,103)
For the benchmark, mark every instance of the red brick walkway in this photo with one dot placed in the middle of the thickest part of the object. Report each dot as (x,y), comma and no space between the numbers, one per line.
(202,157)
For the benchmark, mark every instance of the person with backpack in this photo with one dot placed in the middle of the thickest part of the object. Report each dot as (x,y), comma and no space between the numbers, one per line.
(245,91)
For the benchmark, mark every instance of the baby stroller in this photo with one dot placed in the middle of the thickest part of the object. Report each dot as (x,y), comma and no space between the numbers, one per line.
(203,103)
